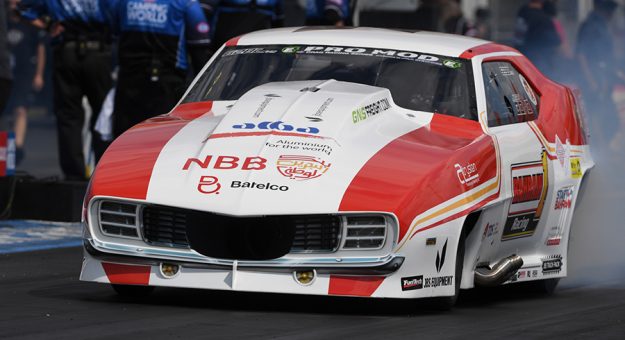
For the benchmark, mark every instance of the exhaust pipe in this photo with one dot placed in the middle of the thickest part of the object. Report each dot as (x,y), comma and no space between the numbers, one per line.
(500,273)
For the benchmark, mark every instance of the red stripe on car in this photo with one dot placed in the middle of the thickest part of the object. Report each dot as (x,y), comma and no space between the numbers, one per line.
(418,171)
(126,167)
(127,274)
(354,285)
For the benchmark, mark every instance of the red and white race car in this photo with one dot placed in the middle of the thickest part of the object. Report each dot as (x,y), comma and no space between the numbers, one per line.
(358,162)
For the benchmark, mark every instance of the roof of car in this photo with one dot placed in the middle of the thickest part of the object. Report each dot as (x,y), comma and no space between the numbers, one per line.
(419,41)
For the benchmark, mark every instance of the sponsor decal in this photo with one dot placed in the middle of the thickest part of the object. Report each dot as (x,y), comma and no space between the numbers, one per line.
(522,106)
(290,49)
(440,257)
(563,198)
(258,186)
(301,167)
(552,264)
(263,106)
(370,110)
(452,64)
(276,126)
(209,185)
(411,283)
(438,281)
(226,163)
(150,14)
(576,168)
(306,146)
(490,230)
(467,175)
(255,50)
(528,90)
(529,190)
(553,241)
(316,118)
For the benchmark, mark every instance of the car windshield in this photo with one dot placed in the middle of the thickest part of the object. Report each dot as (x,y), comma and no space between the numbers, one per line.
(421,82)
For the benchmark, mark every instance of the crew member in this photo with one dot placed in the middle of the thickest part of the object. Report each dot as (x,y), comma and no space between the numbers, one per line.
(328,12)
(155,38)
(237,17)
(5,65)
(81,44)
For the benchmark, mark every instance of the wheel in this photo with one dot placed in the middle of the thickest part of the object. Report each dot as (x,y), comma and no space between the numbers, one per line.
(130,291)
(447,302)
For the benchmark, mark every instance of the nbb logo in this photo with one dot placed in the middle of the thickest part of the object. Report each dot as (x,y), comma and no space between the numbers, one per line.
(276,126)
(527,188)
(227,163)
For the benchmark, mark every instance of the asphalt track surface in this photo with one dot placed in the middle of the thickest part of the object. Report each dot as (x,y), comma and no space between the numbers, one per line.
(41,297)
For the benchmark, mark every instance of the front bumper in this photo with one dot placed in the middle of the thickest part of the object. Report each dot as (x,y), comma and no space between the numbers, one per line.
(355,277)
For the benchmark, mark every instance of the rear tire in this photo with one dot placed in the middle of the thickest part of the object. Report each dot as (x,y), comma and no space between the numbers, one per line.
(447,302)
(130,291)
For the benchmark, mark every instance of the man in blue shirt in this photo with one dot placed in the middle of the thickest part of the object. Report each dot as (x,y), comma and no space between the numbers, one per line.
(236,17)
(155,39)
(328,12)
(82,68)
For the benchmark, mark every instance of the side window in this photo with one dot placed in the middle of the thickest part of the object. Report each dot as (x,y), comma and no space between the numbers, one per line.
(509,97)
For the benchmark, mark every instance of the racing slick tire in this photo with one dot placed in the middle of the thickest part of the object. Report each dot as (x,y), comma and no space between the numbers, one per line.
(132,291)
(447,302)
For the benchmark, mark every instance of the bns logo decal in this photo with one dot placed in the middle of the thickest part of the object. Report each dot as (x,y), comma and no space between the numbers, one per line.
(277,126)
(440,257)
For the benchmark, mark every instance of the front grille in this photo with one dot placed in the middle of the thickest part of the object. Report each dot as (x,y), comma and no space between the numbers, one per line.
(316,234)
(240,237)
(165,226)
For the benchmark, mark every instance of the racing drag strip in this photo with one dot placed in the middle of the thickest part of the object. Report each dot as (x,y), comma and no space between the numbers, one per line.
(41,297)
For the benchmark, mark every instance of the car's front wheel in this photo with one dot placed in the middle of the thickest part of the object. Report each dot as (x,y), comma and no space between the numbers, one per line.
(132,291)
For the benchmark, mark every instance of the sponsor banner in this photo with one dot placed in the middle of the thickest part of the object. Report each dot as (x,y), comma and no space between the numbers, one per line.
(529,190)
(301,167)
(276,126)
(226,163)
(258,186)
(411,283)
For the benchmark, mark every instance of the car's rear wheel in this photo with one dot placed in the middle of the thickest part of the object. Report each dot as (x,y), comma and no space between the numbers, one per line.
(131,291)
(447,302)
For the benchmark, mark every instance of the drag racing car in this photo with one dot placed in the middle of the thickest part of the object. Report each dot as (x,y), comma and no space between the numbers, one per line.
(352,162)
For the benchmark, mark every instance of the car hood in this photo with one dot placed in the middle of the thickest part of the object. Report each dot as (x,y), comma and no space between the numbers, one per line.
(294,148)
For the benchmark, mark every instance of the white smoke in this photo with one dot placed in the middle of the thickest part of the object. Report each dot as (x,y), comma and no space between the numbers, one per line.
(597,243)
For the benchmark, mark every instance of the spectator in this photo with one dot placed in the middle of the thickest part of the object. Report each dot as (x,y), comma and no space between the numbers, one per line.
(595,52)
(482,25)
(453,19)
(328,13)
(5,67)
(536,35)
(153,53)
(237,17)
(82,67)
(28,54)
